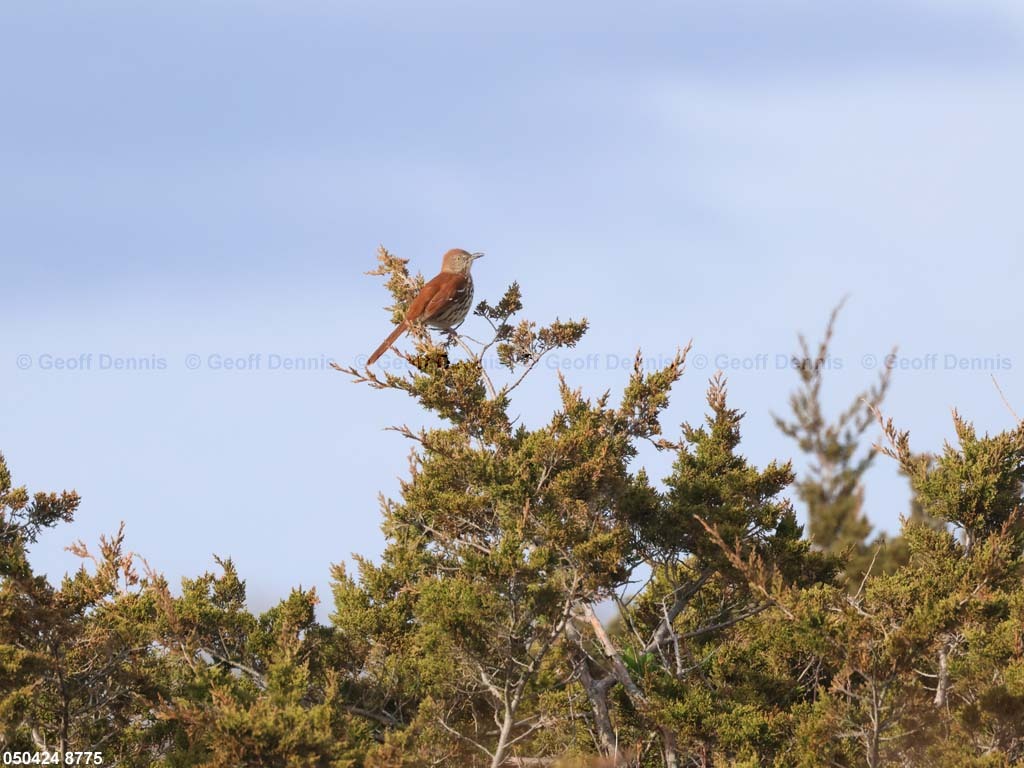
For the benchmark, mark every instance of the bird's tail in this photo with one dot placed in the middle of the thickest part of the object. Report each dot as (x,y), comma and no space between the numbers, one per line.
(399,330)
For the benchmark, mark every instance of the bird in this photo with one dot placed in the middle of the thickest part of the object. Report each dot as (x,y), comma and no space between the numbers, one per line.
(442,303)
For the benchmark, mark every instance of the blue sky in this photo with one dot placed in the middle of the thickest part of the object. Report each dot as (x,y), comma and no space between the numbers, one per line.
(213,178)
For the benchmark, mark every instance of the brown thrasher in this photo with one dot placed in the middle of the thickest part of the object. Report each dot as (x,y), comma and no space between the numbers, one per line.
(442,303)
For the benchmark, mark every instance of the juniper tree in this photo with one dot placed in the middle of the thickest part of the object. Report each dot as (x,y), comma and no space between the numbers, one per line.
(502,531)
(923,666)
(506,538)
(721,542)
(975,661)
(76,665)
(832,488)
(477,637)
(111,662)
(250,690)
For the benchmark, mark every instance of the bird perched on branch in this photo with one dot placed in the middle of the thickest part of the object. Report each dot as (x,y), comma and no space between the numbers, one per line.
(442,303)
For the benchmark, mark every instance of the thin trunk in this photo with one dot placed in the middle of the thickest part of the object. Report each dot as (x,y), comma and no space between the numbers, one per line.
(619,668)
(63,737)
(503,737)
(942,688)
(669,744)
(873,750)
(874,735)
(597,693)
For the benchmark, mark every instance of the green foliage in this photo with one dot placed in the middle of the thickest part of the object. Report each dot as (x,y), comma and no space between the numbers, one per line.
(976,486)
(476,639)
(832,489)
(74,666)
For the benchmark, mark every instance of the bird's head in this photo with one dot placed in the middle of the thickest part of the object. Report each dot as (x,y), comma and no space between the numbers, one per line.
(459,261)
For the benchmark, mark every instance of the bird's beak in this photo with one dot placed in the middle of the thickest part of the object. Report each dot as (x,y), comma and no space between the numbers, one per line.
(476,255)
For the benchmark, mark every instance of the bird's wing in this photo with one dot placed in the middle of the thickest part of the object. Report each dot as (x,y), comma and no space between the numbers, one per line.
(443,289)
(422,300)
